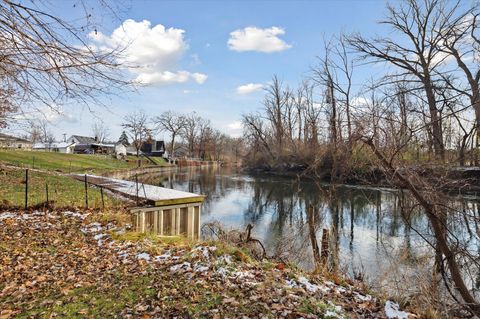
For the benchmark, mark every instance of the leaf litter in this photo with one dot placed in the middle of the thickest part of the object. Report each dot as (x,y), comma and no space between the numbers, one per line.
(67,265)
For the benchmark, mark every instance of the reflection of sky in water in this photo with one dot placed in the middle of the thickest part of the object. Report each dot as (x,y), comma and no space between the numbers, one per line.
(277,208)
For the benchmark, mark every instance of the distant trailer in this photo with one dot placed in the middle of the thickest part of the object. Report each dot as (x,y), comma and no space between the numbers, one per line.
(168,212)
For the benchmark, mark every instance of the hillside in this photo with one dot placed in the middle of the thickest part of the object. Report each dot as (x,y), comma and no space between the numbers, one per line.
(86,264)
(62,162)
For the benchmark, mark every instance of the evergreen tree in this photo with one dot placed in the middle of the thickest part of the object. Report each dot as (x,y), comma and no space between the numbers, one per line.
(124,139)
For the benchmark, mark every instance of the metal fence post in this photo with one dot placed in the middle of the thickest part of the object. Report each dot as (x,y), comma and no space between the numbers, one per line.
(136,184)
(46,192)
(26,189)
(103,202)
(86,192)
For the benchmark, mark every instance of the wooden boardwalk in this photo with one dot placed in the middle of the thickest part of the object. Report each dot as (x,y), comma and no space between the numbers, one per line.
(154,195)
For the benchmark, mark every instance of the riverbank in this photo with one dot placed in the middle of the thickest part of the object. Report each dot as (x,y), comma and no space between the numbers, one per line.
(74,264)
(451,179)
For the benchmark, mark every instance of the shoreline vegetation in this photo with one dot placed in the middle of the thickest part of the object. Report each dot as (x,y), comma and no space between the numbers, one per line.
(457,179)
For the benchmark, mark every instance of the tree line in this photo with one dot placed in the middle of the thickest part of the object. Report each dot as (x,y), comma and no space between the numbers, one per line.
(425,104)
(191,132)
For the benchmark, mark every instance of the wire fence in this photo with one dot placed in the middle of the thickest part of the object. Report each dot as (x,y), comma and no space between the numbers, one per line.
(29,188)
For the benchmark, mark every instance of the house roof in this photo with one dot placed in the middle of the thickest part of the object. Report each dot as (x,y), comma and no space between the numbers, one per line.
(84,139)
(52,145)
(103,145)
(6,137)
(81,147)
(148,147)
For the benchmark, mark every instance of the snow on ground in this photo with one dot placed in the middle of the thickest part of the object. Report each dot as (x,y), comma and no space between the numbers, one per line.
(392,311)
(129,188)
(204,261)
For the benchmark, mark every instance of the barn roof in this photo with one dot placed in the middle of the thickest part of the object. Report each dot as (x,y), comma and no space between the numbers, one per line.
(6,137)
(84,139)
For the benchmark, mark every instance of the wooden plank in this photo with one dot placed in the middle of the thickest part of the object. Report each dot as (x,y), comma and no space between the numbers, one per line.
(179,201)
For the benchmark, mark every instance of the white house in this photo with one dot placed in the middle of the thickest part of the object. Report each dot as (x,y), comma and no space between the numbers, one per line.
(13,142)
(60,147)
(120,149)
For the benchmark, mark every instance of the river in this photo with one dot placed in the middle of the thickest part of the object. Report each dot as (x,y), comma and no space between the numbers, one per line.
(369,236)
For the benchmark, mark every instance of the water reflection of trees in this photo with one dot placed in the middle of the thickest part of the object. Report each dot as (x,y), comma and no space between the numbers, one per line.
(366,225)
(286,203)
(209,181)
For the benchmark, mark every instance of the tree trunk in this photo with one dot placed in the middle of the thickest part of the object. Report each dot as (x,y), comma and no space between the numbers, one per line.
(172,146)
(313,237)
(438,229)
(435,120)
(476,106)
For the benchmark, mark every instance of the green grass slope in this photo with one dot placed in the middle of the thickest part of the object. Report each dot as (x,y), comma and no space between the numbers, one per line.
(62,162)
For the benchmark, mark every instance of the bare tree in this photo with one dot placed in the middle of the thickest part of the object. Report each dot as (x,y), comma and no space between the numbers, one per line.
(172,123)
(100,131)
(46,60)
(461,41)
(136,124)
(275,102)
(191,130)
(34,132)
(335,73)
(204,128)
(416,55)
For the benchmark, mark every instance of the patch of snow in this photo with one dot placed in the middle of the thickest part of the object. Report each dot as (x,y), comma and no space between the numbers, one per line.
(222,272)
(7,215)
(291,283)
(340,289)
(123,254)
(99,236)
(312,287)
(185,266)
(203,250)
(143,256)
(331,314)
(163,257)
(74,214)
(226,259)
(200,268)
(92,228)
(243,274)
(392,311)
(362,297)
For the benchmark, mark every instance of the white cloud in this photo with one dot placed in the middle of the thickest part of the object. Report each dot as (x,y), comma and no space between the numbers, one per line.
(52,114)
(235,129)
(256,39)
(152,53)
(237,125)
(249,88)
(200,78)
(360,101)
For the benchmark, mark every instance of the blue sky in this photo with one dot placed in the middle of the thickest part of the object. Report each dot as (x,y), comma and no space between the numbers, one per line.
(283,38)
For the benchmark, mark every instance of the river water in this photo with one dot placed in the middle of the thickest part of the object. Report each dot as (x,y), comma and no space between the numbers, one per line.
(369,235)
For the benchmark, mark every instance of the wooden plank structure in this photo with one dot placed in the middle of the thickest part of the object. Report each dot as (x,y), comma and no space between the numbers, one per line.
(168,212)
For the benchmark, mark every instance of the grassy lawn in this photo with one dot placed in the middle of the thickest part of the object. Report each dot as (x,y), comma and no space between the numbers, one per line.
(63,190)
(158,160)
(62,162)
